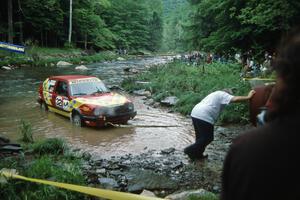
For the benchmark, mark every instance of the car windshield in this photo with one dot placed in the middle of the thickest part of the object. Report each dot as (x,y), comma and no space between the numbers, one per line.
(87,88)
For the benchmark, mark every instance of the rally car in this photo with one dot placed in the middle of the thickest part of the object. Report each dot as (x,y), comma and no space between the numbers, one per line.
(85,100)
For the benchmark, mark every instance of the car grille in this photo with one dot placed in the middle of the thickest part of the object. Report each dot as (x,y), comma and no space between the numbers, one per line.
(122,109)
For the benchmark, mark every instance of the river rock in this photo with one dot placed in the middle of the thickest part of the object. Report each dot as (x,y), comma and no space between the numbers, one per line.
(147,193)
(63,64)
(108,183)
(169,101)
(142,92)
(195,194)
(81,67)
(120,59)
(6,68)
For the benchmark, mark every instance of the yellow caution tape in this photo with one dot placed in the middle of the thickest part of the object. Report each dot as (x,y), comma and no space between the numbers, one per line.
(108,194)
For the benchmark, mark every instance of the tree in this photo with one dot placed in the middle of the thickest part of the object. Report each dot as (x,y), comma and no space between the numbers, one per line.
(10,21)
(70,22)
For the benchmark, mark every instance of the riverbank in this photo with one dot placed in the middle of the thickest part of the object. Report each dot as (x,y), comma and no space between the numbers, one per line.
(38,56)
(188,84)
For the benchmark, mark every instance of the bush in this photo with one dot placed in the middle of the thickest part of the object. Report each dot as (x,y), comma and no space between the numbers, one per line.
(190,85)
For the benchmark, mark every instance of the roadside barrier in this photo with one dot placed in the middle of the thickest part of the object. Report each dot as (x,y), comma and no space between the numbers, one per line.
(108,194)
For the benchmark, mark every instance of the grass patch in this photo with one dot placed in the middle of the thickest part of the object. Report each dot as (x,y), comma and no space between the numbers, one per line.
(47,159)
(26,132)
(190,84)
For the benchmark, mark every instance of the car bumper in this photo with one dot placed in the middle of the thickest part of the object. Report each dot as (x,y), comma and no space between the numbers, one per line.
(100,121)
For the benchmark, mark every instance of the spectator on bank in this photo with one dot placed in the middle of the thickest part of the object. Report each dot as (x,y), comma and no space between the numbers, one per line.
(205,114)
(264,163)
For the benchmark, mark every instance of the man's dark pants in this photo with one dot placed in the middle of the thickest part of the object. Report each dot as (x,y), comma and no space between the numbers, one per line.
(204,135)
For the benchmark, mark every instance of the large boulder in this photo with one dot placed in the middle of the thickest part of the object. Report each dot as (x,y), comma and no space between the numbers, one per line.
(63,64)
(169,101)
(6,68)
(81,67)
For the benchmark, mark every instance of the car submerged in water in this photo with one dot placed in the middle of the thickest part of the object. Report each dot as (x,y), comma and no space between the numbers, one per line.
(85,100)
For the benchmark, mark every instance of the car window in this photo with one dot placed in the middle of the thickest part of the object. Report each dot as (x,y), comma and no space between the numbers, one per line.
(51,84)
(62,88)
(87,88)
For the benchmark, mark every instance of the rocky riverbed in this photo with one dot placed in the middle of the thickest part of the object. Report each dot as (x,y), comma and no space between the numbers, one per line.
(163,172)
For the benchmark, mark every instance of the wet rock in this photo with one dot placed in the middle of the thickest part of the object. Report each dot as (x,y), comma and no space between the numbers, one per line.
(196,194)
(147,193)
(86,156)
(6,68)
(81,67)
(4,140)
(63,64)
(150,102)
(169,101)
(150,180)
(168,151)
(142,92)
(108,183)
(120,59)
(101,171)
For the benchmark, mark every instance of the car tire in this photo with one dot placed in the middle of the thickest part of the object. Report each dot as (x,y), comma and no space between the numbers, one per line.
(44,106)
(76,120)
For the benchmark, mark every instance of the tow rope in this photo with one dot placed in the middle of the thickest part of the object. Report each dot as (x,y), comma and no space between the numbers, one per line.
(142,126)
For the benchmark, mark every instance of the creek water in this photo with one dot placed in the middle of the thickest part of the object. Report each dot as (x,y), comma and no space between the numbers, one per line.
(18,95)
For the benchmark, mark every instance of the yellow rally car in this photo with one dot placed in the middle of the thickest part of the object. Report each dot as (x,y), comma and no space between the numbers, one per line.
(85,100)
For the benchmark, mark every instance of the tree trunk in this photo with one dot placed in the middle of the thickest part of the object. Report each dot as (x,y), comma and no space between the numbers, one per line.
(10,21)
(46,38)
(20,23)
(70,22)
(85,41)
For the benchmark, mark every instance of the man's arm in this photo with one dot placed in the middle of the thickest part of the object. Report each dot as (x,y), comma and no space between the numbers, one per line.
(242,98)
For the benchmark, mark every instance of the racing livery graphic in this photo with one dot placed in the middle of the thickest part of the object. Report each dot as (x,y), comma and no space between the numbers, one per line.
(85,100)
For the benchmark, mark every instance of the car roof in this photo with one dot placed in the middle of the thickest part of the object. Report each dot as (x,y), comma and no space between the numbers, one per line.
(70,77)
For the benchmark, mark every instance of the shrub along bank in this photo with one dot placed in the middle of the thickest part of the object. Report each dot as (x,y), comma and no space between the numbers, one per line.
(38,56)
(190,84)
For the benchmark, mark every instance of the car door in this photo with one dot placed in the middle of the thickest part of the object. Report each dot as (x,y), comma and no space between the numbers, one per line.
(61,98)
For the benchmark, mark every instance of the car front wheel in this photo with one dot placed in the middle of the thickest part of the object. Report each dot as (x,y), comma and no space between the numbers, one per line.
(76,120)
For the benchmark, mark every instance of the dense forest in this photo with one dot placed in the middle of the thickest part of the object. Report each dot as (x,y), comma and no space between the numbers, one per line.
(220,26)
(227,26)
(101,24)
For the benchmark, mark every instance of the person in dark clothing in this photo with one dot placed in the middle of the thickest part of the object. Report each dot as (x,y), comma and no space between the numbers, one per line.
(264,163)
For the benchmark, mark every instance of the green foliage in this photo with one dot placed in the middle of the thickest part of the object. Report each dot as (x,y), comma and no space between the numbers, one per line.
(55,146)
(190,85)
(226,26)
(97,24)
(49,167)
(26,132)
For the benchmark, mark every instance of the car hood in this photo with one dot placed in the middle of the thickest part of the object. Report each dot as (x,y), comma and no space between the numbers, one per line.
(107,100)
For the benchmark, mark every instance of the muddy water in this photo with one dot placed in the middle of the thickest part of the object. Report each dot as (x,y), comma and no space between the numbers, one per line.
(18,94)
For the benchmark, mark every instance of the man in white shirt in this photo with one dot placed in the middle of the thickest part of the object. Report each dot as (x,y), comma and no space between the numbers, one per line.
(205,114)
